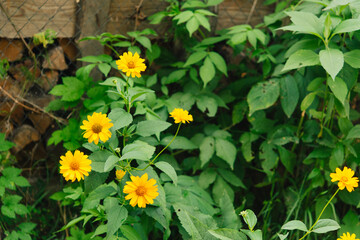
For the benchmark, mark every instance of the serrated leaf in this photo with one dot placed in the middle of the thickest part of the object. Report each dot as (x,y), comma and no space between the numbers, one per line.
(150,127)
(144,41)
(138,150)
(219,62)
(227,234)
(120,118)
(195,57)
(192,25)
(203,21)
(104,68)
(301,58)
(5,145)
(226,151)
(183,17)
(110,163)
(207,149)
(116,215)
(348,25)
(353,58)
(339,88)
(71,90)
(332,61)
(325,225)
(263,95)
(207,71)
(180,142)
(168,170)
(229,218)
(295,224)
(289,94)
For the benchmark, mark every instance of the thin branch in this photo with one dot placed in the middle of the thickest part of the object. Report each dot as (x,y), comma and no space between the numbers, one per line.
(251,11)
(35,108)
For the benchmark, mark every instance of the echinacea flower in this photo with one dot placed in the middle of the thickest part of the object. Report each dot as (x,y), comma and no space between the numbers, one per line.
(97,128)
(131,64)
(75,166)
(181,115)
(345,179)
(347,236)
(141,191)
(120,174)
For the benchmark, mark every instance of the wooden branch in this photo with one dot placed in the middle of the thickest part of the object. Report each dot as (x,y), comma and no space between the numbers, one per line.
(35,108)
(251,11)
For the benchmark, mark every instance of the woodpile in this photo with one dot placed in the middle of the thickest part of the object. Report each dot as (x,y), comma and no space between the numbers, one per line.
(24,89)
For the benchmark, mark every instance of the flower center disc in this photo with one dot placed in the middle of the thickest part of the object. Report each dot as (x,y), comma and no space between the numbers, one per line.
(131,64)
(74,165)
(140,191)
(344,179)
(96,128)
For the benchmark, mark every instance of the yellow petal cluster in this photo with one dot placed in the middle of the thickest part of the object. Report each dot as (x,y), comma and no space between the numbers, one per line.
(347,236)
(181,115)
(75,166)
(120,174)
(345,179)
(131,64)
(97,127)
(141,191)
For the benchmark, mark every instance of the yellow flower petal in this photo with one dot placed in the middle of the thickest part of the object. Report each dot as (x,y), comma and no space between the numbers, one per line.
(74,166)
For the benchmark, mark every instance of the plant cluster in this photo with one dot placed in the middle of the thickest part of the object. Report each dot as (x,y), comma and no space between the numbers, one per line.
(274,113)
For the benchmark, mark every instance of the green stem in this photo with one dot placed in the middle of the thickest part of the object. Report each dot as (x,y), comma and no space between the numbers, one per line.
(152,161)
(322,211)
(299,130)
(109,46)
(323,110)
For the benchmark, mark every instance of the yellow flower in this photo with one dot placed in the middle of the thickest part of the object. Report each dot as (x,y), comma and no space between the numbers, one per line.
(97,128)
(141,191)
(120,174)
(347,236)
(181,115)
(345,179)
(75,166)
(130,64)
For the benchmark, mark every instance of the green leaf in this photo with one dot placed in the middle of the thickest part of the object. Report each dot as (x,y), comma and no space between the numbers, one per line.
(27,227)
(110,163)
(138,150)
(295,224)
(195,57)
(251,36)
(325,225)
(115,214)
(219,62)
(228,216)
(305,22)
(307,101)
(231,178)
(238,38)
(207,71)
(158,214)
(98,160)
(150,127)
(339,88)
(353,58)
(289,94)
(129,232)
(7,211)
(168,170)
(120,118)
(348,25)
(5,145)
(253,235)
(227,234)
(246,139)
(249,218)
(204,102)
(287,158)
(97,59)
(207,149)
(226,151)
(104,68)
(354,132)
(301,58)
(144,41)
(187,222)
(263,95)
(21,181)
(207,177)
(332,61)
(71,90)
(183,17)
(192,25)
(180,142)
(203,21)
(219,188)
